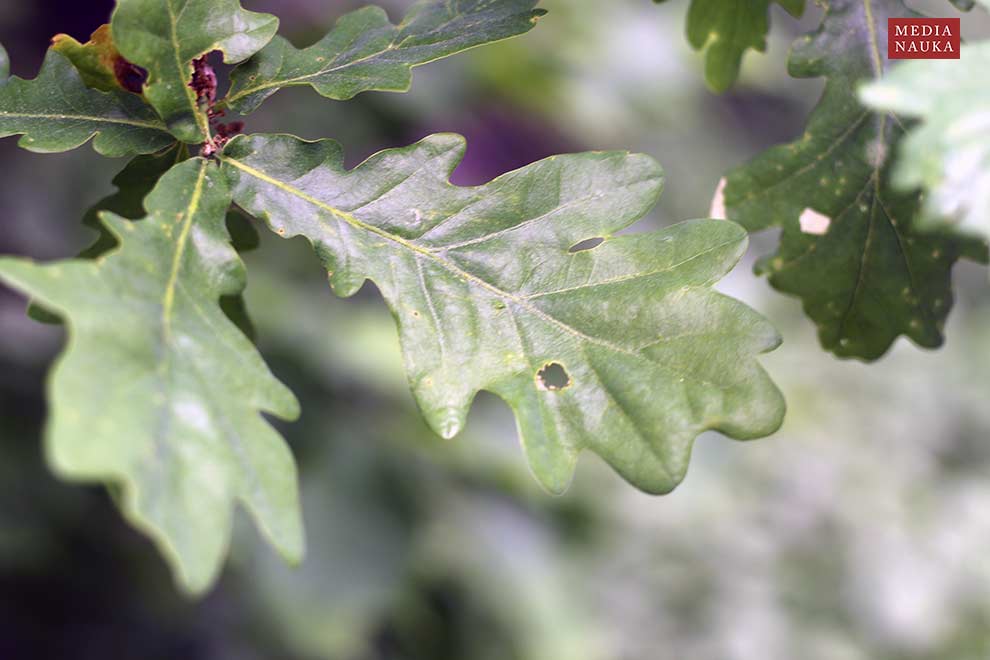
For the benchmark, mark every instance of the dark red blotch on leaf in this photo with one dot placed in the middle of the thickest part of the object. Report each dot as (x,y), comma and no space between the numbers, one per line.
(129,76)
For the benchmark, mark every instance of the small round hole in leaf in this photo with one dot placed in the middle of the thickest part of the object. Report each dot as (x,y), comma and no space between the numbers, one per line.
(553,377)
(586,244)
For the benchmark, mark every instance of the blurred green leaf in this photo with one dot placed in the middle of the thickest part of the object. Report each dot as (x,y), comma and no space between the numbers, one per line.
(164,36)
(365,52)
(948,153)
(57,112)
(157,391)
(133,183)
(622,348)
(849,248)
(4,64)
(726,30)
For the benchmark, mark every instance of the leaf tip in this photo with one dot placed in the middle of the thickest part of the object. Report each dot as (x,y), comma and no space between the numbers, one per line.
(554,478)
(449,423)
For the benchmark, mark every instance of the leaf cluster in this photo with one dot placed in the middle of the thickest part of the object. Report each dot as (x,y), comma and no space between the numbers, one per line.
(617,344)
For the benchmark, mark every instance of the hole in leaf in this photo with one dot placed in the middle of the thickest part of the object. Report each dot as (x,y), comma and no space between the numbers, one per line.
(586,244)
(553,377)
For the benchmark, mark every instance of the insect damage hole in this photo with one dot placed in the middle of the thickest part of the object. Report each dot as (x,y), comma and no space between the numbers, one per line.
(586,244)
(553,377)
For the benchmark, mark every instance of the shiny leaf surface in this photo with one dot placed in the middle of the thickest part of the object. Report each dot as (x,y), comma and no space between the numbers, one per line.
(164,36)
(623,348)
(57,112)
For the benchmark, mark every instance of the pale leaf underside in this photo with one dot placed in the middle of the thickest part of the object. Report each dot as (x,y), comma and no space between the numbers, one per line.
(948,152)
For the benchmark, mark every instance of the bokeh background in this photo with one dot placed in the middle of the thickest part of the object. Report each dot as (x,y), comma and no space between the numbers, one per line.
(860,531)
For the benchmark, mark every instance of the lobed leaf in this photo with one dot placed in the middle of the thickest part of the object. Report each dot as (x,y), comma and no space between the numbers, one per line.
(726,30)
(164,36)
(98,62)
(365,52)
(157,391)
(133,183)
(850,248)
(623,348)
(57,112)
(948,153)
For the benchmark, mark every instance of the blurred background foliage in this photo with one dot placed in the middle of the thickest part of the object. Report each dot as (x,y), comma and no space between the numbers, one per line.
(860,530)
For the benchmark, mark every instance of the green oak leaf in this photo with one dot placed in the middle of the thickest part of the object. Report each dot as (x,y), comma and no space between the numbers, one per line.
(623,348)
(96,60)
(948,153)
(849,247)
(726,29)
(57,112)
(365,52)
(133,184)
(164,36)
(157,391)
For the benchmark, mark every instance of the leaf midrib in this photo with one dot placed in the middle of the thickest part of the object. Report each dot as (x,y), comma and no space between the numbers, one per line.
(303,78)
(355,222)
(871,29)
(392,45)
(877,62)
(106,120)
(168,298)
(201,122)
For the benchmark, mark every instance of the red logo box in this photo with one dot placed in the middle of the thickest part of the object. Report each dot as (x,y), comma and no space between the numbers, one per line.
(923,38)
